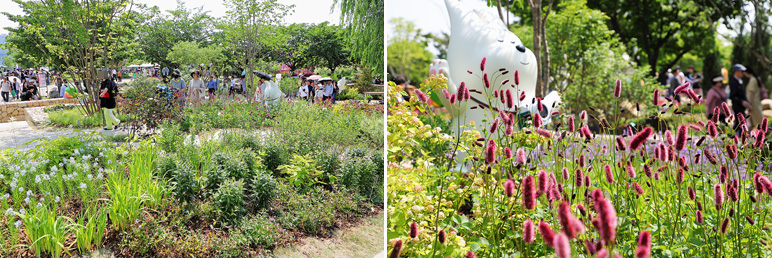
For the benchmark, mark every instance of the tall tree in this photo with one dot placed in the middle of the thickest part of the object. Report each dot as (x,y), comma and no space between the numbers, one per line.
(78,37)
(407,56)
(364,21)
(328,45)
(656,32)
(163,29)
(250,27)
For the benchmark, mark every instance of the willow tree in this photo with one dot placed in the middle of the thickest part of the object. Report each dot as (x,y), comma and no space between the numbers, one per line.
(251,27)
(78,37)
(364,22)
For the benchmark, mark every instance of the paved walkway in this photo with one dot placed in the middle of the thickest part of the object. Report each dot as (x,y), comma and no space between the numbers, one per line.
(16,134)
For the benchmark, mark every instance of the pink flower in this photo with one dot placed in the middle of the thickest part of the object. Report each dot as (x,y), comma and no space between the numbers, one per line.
(731,151)
(494,125)
(490,152)
(656,97)
(546,233)
(482,64)
(578,177)
(669,138)
(413,230)
(699,217)
(544,133)
(508,152)
(759,139)
(764,125)
(486,80)
(607,217)
(571,125)
(630,171)
(682,88)
(718,196)
(446,94)
(640,137)
(521,160)
(725,109)
(681,137)
(528,231)
(517,78)
(509,187)
(609,174)
(724,225)
(529,193)
(644,245)
(441,236)
(638,188)
(536,120)
(509,99)
(618,88)
(395,252)
(421,96)
(561,245)
(621,146)
(522,95)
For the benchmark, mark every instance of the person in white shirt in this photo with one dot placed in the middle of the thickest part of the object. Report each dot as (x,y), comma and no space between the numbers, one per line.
(196,87)
(5,89)
(303,91)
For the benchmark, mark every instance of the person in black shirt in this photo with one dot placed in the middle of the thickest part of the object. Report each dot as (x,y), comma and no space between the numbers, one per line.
(107,92)
(737,96)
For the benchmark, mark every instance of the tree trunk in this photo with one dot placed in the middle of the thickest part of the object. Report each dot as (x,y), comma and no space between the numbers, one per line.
(537,34)
(546,57)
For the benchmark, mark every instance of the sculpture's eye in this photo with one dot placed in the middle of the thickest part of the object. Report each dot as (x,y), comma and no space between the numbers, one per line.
(513,42)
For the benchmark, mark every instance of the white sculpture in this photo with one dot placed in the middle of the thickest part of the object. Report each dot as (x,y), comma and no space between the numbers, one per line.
(342,84)
(272,94)
(477,34)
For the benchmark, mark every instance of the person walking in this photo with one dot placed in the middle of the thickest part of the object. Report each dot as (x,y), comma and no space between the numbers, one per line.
(196,89)
(212,86)
(737,96)
(753,92)
(16,88)
(328,90)
(303,90)
(5,89)
(716,96)
(107,92)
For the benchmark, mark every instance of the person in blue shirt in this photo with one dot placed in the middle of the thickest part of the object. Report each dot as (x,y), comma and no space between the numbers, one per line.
(212,85)
(328,88)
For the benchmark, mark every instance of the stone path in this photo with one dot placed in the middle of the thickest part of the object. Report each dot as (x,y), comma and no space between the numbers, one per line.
(16,134)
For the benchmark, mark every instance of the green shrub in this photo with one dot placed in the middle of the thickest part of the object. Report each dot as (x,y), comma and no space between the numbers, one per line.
(186,187)
(167,165)
(273,156)
(363,173)
(229,200)
(329,163)
(257,231)
(303,173)
(70,117)
(263,189)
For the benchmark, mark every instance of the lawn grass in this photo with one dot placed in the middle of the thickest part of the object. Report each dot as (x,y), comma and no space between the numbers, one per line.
(69,117)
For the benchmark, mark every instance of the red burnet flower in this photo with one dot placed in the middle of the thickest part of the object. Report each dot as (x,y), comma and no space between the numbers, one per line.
(544,133)
(764,125)
(681,137)
(413,230)
(709,156)
(680,175)
(494,125)
(644,245)
(718,196)
(528,231)
(731,151)
(618,88)
(692,195)
(725,109)
(529,193)
(609,174)
(571,125)
(638,188)
(509,187)
(509,99)
(698,215)
(724,225)
(620,143)
(578,178)
(421,96)
(521,160)
(712,130)
(766,184)
(656,98)
(536,120)
(640,137)
(608,220)
(486,80)
(470,254)
(723,174)
(522,95)
(538,104)
(647,170)
(682,87)
(630,171)
(546,233)
(395,252)
(482,64)
(490,152)
(759,139)
(565,174)
(731,191)
(562,246)
(508,153)
(583,115)
(567,220)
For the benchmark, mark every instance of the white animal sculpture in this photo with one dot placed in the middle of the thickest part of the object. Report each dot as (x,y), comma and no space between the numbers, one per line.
(342,84)
(272,94)
(477,34)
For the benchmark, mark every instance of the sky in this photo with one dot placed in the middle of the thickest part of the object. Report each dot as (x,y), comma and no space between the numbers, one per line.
(306,11)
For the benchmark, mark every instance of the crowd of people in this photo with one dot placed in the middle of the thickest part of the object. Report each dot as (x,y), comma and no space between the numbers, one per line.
(744,93)
(25,85)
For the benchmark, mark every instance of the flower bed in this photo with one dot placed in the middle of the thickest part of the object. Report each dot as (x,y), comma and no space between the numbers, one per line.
(563,190)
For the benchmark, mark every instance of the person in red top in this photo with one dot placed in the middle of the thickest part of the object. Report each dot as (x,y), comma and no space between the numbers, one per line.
(716,96)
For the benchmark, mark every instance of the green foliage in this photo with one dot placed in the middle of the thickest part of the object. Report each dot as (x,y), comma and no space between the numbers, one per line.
(407,54)
(364,21)
(257,231)
(188,53)
(75,118)
(360,173)
(47,231)
(263,187)
(229,200)
(90,229)
(350,93)
(147,108)
(303,173)
(185,187)
(168,28)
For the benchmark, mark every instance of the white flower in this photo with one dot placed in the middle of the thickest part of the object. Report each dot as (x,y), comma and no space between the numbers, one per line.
(29,192)
(37,179)
(22,211)
(109,161)
(26,200)
(60,164)
(2,176)
(125,153)
(23,172)
(17,223)
(77,151)
(5,196)
(10,212)
(54,168)
(56,200)
(89,176)
(82,186)
(39,206)
(21,189)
